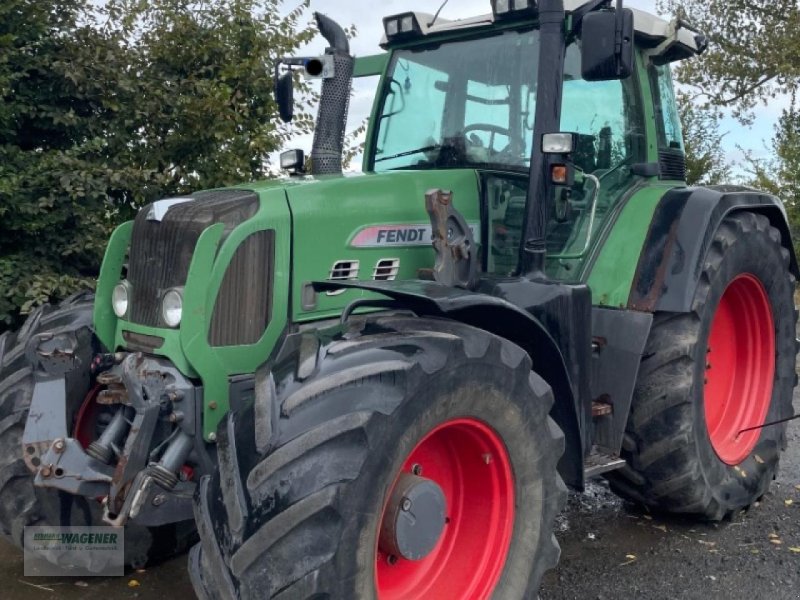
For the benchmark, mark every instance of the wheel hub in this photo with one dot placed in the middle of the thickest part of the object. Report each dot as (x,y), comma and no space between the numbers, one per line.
(414,518)
(457,485)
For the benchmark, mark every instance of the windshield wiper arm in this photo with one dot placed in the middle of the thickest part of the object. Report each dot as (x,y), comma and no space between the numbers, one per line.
(409,152)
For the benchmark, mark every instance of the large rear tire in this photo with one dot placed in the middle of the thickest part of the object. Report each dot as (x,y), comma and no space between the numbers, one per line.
(351,417)
(22,504)
(711,377)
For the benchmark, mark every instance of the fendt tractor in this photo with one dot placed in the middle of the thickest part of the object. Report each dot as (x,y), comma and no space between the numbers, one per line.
(378,385)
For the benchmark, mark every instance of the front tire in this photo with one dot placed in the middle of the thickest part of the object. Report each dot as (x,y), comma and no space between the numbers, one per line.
(711,377)
(435,399)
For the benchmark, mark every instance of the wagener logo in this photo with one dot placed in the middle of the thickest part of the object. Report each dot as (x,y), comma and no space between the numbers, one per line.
(74,551)
(77,538)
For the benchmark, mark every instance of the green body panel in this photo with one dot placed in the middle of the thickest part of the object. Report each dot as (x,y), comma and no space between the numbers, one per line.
(611,277)
(329,214)
(187,347)
(369,66)
(105,321)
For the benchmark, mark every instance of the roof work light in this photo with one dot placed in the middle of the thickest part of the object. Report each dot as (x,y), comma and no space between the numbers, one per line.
(513,9)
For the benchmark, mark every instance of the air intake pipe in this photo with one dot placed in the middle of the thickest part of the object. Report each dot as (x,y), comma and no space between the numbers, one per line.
(328,146)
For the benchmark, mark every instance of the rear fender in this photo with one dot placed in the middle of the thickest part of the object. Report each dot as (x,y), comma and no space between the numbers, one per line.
(680,234)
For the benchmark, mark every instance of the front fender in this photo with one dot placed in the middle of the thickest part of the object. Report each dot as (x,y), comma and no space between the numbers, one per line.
(505,319)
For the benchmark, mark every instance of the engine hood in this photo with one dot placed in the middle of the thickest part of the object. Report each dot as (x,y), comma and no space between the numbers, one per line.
(367,226)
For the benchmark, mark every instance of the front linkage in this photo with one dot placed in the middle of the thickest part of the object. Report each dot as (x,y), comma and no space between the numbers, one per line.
(131,445)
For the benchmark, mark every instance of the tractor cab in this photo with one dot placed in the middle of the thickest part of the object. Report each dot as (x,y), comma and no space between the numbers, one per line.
(463,95)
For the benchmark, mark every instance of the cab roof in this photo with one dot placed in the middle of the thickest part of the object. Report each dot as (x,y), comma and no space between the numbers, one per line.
(669,41)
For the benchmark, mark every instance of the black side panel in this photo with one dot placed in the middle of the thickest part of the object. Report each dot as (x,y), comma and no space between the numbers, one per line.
(619,337)
(161,251)
(244,303)
(682,229)
(568,305)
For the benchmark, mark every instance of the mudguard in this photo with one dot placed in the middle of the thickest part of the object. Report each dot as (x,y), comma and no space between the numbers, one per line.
(503,318)
(682,229)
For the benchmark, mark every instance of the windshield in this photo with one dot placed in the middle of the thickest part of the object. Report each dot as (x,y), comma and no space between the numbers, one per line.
(468,103)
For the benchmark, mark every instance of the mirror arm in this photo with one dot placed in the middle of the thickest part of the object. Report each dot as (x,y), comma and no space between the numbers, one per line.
(618,34)
(578,14)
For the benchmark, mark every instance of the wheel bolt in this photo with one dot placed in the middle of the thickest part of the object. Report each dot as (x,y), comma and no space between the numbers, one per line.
(406,506)
(416,469)
(391,559)
(59,446)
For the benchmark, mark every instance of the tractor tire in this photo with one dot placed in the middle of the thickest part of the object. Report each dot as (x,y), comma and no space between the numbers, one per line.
(710,378)
(22,504)
(307,474)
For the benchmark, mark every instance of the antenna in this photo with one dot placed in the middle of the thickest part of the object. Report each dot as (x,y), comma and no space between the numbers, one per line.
(436,16)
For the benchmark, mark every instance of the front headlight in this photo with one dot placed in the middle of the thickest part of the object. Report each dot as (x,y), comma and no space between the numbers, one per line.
(172,307)
(120,298)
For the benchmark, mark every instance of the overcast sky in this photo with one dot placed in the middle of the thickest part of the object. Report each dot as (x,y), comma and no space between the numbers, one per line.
(370,29)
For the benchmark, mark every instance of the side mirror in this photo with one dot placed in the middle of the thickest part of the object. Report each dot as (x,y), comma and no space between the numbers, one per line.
(284,95)
(293,161)
(607,45)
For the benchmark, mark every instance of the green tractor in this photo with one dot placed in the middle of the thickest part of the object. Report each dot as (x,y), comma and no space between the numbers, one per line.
(377,386)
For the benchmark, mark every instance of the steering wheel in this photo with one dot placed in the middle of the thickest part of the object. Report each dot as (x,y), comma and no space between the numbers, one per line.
(489,128)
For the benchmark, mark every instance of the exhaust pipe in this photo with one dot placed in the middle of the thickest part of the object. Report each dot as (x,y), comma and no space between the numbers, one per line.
(328,146)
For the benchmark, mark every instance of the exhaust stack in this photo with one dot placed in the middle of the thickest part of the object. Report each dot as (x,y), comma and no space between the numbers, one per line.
(328,146)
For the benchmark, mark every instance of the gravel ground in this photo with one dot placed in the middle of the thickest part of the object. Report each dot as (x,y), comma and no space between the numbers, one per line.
(610,550)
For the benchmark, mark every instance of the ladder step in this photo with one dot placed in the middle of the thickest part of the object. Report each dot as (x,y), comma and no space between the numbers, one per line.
(601,409)
(598,463)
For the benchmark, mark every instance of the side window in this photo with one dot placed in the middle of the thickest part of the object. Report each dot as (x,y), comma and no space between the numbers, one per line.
(668,123)
(416,104)
(364,89)
(607,117)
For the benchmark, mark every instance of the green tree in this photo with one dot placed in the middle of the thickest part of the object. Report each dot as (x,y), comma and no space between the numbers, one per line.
(106,107)
(753,58)
(706,163)
(780,174)
(754,51)
(54,126)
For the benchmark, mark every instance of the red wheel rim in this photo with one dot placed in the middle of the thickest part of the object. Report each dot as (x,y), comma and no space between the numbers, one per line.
(469,461)
(740,367)
(84,429)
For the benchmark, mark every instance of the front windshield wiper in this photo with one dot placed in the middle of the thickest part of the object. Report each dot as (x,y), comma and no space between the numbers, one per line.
(409,153)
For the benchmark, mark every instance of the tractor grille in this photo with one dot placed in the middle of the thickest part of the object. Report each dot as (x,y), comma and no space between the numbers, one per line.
(673,164)
(244,302)
(161,251)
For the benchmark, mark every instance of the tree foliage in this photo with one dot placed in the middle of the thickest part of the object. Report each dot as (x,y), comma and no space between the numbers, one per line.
(754,51)
(706,163)
(106,107)
(780,174)
(753,58)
